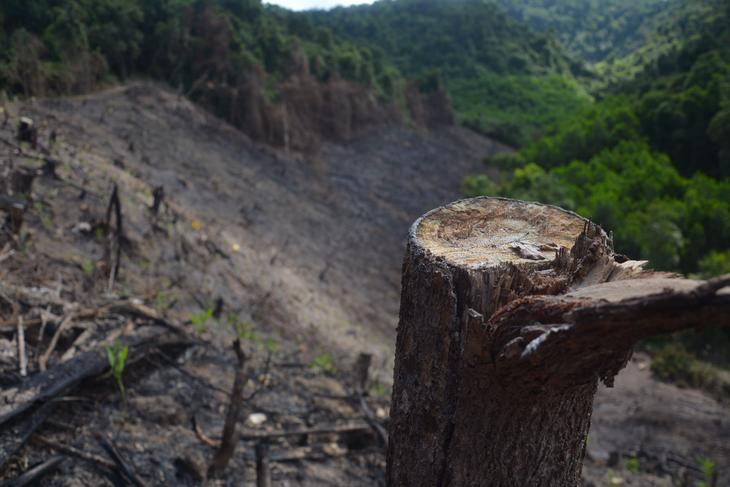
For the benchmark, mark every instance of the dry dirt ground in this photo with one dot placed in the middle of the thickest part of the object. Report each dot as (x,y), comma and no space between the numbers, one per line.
(663,427)
(302,249)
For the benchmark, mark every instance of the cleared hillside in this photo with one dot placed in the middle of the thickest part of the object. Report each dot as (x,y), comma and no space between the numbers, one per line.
(321,236)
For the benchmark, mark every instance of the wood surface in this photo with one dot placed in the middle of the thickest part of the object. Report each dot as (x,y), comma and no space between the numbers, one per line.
(511,313)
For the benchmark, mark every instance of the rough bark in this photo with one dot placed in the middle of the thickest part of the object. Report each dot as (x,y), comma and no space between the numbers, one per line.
(504,334)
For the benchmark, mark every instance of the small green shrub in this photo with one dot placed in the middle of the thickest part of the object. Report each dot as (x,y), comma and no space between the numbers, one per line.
(201,319)
(245,331)
(87,266)
(271,346)
(161,303)
(632,465)
(324,362)
(613,480)
(24,242)
(708,468)
(673,362)
(45,219)
(117,358)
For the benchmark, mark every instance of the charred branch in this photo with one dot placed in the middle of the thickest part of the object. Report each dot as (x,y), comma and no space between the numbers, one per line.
(76,452)
(263,474)
(115,455)
(230,433)
(34,474)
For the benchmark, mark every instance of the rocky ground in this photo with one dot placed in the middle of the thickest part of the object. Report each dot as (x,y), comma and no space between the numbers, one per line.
(658,430)
(298,255)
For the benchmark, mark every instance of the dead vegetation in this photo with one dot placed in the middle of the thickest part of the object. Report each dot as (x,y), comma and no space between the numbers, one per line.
(80,238)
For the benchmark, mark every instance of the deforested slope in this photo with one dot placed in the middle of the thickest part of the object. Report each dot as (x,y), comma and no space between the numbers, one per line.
(320,237)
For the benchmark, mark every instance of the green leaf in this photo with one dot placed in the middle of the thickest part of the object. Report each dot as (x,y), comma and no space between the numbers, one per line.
(271,345)
(110,356)
(123,358)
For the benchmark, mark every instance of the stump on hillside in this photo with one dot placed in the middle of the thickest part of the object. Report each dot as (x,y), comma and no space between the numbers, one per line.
(511,313)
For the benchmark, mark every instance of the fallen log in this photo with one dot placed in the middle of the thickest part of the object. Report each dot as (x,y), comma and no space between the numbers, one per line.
(34,474)
(503,337)
(61,378)
(14,435)
(26,407)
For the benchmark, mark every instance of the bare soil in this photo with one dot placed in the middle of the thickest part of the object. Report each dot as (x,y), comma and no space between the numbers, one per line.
(662,426)
(304,249)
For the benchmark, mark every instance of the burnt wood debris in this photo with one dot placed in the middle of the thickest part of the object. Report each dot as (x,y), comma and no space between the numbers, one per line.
(56,316)
(511,313)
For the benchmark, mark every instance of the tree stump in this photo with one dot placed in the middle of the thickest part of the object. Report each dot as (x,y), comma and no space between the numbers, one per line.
(511,313)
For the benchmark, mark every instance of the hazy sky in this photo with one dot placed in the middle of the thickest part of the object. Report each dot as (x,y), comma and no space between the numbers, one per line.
(308,4)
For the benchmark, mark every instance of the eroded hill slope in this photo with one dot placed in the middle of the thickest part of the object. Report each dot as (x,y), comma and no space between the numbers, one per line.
(320,236)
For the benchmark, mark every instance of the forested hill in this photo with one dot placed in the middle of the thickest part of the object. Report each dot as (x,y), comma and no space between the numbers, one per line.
(504,79)
(240,60)
(618,37)
(341,71)
(463,39)
(592,29)
(651,160)
(337,72)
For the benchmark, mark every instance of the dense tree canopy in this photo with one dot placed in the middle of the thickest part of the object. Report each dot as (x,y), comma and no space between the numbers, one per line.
(591,29)
(64,46)
(679,24)
(505,80)
(601,163)
(462,38)
(651,160)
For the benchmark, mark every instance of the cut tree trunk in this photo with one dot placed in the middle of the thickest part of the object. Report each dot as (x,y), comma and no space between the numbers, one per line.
(511,313)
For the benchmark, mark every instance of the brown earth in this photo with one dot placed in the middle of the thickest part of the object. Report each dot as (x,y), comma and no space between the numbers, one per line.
(660,425)
(305,249)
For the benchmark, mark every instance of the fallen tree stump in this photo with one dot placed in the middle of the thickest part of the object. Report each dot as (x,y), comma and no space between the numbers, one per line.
(511,313)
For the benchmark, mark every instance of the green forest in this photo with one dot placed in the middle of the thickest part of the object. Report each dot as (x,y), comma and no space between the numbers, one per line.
(505,80)
(593,29)
(223,54)
(649,161)
(638,140)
